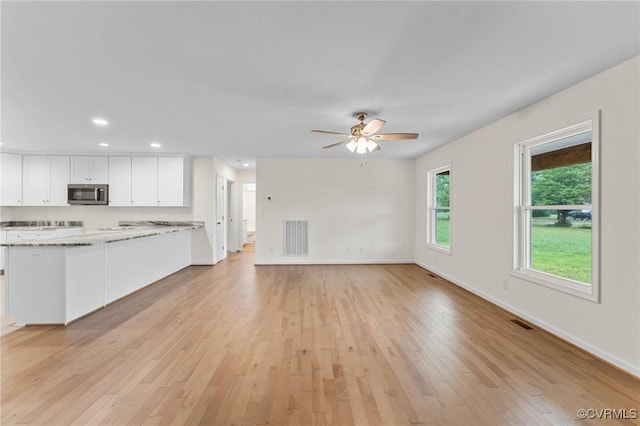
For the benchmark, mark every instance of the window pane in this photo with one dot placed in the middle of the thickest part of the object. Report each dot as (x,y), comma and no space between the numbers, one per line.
(562,177)
(442,189)
(561,243)
(442,227)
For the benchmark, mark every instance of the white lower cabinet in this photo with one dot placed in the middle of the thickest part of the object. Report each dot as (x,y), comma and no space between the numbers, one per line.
(127,271)
(84,281)
(58,284)
(18,236)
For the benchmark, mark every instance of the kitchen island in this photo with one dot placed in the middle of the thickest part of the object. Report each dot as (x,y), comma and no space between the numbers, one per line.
(58,280)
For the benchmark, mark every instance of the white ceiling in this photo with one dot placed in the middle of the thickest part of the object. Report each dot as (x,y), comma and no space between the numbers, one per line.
(240,80)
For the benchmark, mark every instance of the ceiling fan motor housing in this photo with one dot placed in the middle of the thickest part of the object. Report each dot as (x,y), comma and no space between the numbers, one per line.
(357,129)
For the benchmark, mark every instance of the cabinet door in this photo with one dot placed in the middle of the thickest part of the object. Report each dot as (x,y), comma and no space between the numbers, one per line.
(35,180)
(99,170)
(86,169)
(58,180)
(144,181)
(45,180)
(10,179)
(170,181)
(80,169)
(119,181)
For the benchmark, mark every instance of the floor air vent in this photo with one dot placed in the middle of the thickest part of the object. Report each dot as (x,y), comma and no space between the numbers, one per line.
(296,241)
(522,324)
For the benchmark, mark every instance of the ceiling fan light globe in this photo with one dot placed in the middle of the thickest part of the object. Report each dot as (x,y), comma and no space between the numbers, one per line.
(351,146)
(361,145)
(371,145)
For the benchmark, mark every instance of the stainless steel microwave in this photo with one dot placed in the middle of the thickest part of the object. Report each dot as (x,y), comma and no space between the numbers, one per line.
(88,194)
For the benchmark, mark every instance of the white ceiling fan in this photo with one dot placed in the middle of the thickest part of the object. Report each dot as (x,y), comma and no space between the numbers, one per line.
(363,136)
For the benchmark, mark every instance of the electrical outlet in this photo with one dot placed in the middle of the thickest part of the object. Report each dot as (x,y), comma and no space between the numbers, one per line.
(346,250)
(271,250)
(505,284)
(360,250)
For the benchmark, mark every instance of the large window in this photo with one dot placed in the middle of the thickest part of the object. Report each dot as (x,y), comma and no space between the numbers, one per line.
(556,210)
(439,214)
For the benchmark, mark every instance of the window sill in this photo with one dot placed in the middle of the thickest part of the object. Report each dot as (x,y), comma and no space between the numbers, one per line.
(442,249)
(573,288)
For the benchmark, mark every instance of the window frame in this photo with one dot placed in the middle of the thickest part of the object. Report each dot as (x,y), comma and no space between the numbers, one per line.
(522,208)
(432,208)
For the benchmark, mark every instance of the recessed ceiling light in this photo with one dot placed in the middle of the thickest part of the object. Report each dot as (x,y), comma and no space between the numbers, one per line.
(103,144)
(246,164)
(155,145)
(100,122)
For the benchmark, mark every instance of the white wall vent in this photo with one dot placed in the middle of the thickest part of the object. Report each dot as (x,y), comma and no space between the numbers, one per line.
(296,241)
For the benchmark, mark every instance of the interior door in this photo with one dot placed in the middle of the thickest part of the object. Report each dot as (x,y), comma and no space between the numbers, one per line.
(221,252)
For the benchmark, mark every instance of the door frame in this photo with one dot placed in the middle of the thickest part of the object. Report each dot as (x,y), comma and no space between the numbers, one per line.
(232,219)
(220,251)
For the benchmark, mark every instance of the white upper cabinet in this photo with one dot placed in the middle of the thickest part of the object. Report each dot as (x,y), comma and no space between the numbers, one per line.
(59,178)
(11,179)
(173,182)
(89,169)
(144,181)
(41,180)
(45,180)
(36,183)
(119,181)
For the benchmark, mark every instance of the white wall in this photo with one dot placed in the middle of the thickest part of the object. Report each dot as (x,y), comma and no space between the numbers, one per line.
(246,176)
(348,207)
(482,225)
(203,204)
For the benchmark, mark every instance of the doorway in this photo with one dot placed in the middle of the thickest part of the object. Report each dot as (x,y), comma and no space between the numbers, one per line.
(248,213)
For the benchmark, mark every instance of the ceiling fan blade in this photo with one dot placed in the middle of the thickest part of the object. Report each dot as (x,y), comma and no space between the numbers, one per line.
(392,136)
(373,126)
(337,143)
(330,133)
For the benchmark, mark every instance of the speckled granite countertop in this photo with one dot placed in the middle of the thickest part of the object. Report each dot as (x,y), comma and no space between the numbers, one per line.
(127,231)
(39,225)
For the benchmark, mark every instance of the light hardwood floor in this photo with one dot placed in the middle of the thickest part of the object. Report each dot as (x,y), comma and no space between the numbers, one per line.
(302,345)
(7,323)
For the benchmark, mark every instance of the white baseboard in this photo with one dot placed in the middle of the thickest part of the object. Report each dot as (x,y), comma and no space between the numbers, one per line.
(305,261)
(632,370)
